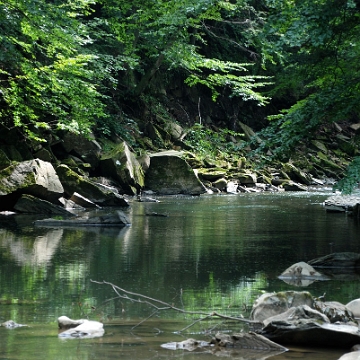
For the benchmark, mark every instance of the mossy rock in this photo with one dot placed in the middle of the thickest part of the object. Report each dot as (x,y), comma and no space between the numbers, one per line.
(327,162)
(320,146)
(211,174)
(121,165)
(170,174)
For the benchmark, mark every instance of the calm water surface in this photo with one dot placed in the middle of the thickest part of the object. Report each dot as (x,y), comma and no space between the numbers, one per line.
(209,253)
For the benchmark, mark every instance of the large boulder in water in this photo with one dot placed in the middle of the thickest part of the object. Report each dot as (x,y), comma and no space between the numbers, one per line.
(301,274)
(34,177)
(170,174)
(121,165)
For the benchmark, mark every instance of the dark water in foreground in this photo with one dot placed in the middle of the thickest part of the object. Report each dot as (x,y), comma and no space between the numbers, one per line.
(210,253)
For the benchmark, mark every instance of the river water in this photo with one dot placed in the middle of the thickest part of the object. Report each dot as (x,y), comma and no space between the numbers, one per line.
(209,253)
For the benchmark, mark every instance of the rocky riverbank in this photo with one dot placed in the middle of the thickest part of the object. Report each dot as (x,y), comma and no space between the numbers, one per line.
(70,171)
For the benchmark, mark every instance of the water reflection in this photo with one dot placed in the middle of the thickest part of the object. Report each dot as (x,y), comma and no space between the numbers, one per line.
(211,253)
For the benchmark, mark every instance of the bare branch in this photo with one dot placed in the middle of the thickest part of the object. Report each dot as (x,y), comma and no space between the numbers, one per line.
(161,305)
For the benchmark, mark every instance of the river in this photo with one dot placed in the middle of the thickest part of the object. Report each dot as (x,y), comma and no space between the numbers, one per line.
(216,252)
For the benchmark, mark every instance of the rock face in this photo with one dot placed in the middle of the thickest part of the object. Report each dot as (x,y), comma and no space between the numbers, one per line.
(169,174)
(121,165)
(33,177)
(271,304)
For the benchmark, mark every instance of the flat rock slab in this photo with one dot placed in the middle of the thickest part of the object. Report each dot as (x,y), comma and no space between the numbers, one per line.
(118,219)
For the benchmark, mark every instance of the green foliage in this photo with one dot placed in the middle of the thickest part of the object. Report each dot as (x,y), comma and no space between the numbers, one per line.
(352,178)
(317,50)
(51,84)
(213,144)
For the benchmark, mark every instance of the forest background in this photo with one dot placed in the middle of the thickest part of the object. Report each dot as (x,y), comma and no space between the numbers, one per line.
(288,69)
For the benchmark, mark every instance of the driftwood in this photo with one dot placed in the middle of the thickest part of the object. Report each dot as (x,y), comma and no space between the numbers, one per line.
(160,305)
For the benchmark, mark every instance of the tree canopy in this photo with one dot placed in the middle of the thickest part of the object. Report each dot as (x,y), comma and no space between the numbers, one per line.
(85,65)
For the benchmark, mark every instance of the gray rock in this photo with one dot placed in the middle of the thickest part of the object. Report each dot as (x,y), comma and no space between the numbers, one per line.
(301,274)
(308,332)
(85,329)
(298,312)
(33,177)
(82,201)
(95,193)
(88,150)
(355,355)
(337,260)
(271,304)
(121,165)
(354,307)
(290,185)
(170,174)
(33,205)
(11,324)
(249,340)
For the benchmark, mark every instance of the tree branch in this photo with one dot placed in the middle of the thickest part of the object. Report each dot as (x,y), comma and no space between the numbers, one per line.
(159,305)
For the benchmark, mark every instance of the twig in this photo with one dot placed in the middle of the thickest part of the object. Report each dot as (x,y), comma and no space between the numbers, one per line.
(162,305)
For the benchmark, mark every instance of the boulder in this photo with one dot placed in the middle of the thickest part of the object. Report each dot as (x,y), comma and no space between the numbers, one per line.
(290,185)
(296,174)
(335,311)
(170,174)
(354,355)
(309,332)
(298,312)
(211,174)
(337,260)
(33,205)
(88,150)
(75,183)
(121,165)
(301,274)
(248,179)
(354,307)
(82,328)
(33,177)
(270,304)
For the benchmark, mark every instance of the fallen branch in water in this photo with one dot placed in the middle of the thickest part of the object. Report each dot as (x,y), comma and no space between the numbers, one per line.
(160,305)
